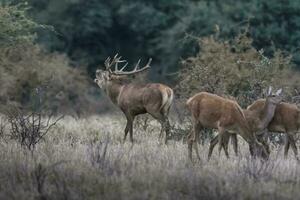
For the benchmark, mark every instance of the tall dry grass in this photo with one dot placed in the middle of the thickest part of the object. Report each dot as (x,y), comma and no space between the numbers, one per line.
(86,159)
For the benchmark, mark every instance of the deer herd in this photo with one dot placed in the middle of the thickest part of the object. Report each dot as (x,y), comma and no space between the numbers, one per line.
(207,111)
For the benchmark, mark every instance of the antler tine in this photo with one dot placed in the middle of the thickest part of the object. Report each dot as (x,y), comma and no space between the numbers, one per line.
(135,70)
(123,67)
(107,63)
(149,62)
(137,65)
(116,64)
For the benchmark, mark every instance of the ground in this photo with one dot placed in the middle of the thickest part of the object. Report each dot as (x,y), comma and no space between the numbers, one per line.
(86,159)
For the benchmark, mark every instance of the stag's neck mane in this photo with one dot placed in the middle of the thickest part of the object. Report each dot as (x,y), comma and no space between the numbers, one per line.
(113,90)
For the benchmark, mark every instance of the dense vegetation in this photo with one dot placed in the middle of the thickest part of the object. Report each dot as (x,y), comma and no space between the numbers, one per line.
(49,50)
(78,35)
(89,31)
(234,68)
(25,67)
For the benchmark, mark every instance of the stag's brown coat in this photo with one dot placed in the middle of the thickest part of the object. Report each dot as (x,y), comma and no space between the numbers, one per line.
(133,98)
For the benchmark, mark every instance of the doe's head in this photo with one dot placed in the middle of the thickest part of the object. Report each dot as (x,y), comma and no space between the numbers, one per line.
(274,97)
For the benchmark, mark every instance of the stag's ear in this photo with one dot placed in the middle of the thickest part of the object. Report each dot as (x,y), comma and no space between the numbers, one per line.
(98,72)
(278,92)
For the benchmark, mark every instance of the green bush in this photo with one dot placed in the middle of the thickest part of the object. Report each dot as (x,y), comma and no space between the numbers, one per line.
(235,68)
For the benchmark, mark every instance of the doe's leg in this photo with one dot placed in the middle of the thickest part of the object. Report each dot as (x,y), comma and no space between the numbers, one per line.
(192,139)
(234,142)
(213,143)
(225,142)
(286,146)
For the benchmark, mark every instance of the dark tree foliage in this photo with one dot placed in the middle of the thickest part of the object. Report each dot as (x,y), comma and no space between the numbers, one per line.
(89,31)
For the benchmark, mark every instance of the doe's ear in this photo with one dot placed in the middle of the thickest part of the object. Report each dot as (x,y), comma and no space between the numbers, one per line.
(278,92)
(269,91)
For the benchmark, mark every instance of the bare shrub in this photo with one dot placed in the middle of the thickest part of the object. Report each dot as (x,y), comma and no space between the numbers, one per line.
(29,128)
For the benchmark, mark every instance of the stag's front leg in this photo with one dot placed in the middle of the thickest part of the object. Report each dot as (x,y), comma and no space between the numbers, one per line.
(131,129)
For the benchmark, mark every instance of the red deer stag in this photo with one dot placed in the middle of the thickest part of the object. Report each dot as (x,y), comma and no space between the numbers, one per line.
(212,111)
(132,98)
(286,120)
(258,120)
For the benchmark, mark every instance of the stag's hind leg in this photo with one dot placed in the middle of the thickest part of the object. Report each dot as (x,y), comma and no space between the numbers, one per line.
(167,128)
(164,121)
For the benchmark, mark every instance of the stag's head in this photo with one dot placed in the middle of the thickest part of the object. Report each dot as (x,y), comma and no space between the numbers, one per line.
(274,97)
(103,77)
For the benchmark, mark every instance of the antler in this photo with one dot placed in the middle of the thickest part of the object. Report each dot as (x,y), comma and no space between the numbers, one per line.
(116,60)
(109,63)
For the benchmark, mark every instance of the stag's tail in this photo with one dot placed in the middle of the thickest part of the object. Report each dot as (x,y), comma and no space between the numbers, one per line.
(167,99)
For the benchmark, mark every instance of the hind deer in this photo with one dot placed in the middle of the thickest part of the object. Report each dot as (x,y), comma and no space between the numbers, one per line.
(212,111)
(286,120)
(258,119)
(132,98)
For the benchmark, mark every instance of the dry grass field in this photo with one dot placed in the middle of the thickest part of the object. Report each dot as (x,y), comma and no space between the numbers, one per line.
(86,159)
